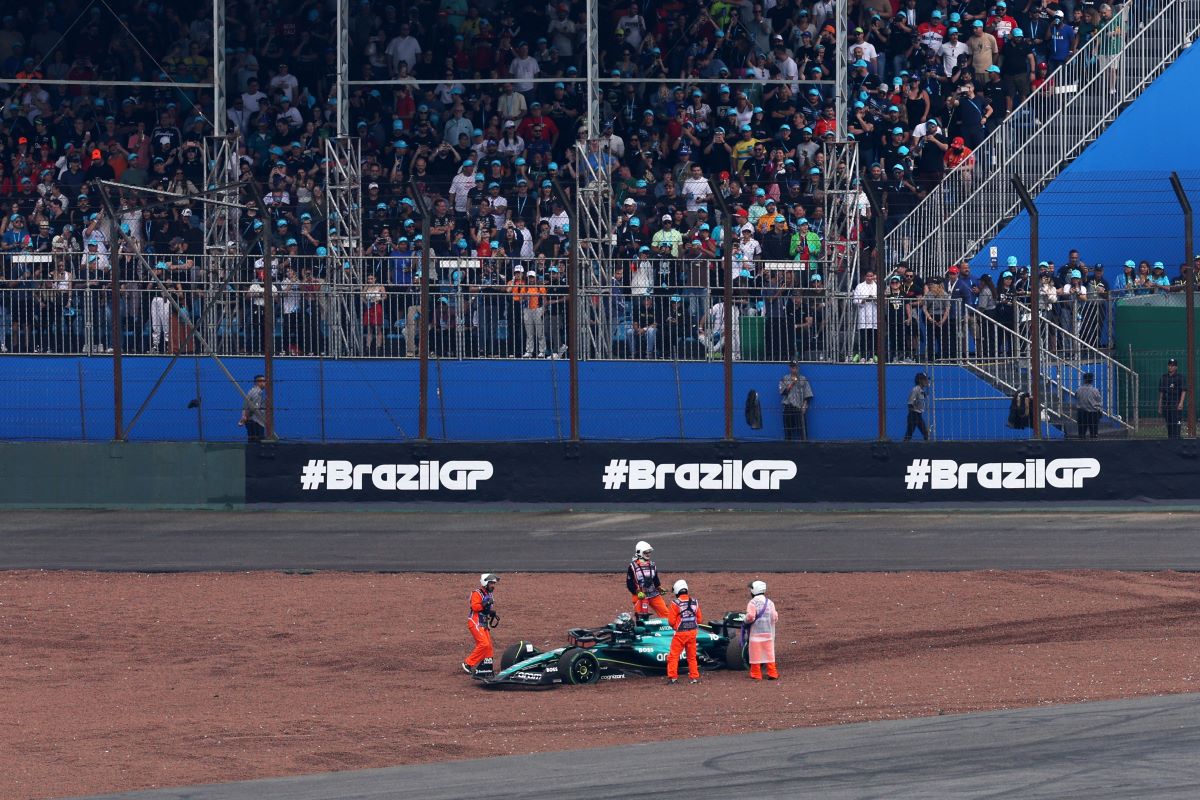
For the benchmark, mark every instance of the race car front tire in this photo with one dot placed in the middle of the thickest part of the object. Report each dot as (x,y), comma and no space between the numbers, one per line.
(518,651)
(578,667)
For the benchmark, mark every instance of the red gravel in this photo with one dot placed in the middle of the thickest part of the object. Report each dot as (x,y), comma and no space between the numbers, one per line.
(116,682)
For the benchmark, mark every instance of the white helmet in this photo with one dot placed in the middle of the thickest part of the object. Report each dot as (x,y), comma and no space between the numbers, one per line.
(680,587)
(758,587)
(488,577)
(642,550)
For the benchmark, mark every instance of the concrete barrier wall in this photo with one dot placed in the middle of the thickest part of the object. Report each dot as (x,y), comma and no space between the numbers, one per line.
(152,474)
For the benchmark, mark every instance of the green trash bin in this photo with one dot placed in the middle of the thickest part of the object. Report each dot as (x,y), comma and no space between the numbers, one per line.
(753,338)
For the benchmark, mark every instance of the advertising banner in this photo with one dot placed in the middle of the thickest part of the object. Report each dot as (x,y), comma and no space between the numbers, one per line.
(773,474)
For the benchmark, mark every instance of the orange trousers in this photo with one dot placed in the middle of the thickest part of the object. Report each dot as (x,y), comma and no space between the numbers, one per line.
(655,604)
(756,671)
(483,643)
(681,641)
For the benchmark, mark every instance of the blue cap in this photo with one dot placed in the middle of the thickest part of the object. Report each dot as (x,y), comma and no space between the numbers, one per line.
(643,249)
(1131,264)
(552,165)
(936,14)
(951,30)
(280,223)
(899,167)
(322,251)
(1159,265)
(468,163)
(977,23)
(802,221)
(398,125)
(291,242)
(641,183)
(860,63)
(1018,33)
(401,145)
(746,129)
(994,68)
(898,130)
(1076,274)
(1005,274)
(893,108)
(902,150)
(779,219)
(520,162)
(814,278)
(704,226)
(1011,261)
(676,298)
(635,221)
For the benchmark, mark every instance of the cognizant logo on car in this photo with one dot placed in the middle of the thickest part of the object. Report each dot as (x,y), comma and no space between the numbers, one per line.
(639,474)
(1032,473)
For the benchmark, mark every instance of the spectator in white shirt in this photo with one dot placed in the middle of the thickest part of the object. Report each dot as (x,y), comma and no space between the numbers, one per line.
(290,114)
(403,47)
(511,105)
(252,97)
(950,50)
(462,184)
(522,68)
(696,188)
(284,81)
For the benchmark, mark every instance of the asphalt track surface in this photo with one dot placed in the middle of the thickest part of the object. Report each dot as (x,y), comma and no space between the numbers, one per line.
(689,541)
(1119,749)
(1122,749)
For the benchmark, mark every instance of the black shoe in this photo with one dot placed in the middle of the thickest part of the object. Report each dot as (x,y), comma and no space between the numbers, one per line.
(468,669)
(672,681)
(695,680)
(772,677)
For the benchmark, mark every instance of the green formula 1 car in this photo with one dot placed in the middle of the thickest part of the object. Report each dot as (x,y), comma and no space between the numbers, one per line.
(626,647)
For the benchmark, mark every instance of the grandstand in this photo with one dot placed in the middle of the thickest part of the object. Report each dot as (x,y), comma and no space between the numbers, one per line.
(666,181)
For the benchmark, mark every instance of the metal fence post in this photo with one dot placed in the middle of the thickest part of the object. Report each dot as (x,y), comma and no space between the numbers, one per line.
(114,326)
(1189,258)
(727,302)
(572,310)
(1035,322)
(880,308)
(422,317)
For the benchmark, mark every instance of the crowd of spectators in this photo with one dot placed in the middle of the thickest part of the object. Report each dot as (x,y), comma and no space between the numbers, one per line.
(737,92)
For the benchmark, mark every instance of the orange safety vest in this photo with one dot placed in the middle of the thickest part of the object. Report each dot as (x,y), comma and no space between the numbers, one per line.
(644,577)
(481,606)
(688,613)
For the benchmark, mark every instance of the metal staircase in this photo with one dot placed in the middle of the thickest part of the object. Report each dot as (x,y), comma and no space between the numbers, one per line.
(1042,136)
(1002,357)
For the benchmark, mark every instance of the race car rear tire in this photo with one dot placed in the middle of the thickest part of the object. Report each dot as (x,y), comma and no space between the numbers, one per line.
(578,667)
(518,651)
(737,655)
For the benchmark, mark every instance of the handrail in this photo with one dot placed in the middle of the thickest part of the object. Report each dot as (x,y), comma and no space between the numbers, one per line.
(956,217)
(1002,357)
